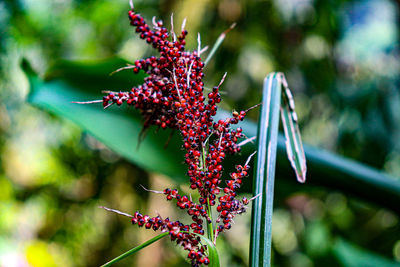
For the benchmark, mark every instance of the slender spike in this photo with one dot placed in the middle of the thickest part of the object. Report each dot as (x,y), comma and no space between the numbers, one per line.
(250,108)
(215,238)
(131,4)
(253,198)
(220,140)
(116,211)
(87,102)
(204,49)
(176,84)
(172,27)
(198,44)
(123,68)
(218,43)
(183,24)
(188,73)
(152,191)
(222,80)
(208,138)
(248,140)
(249,158)
(109,105)
(154,21)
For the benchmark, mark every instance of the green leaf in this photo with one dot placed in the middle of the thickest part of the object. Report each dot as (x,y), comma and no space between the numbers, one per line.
(135,249)
(212,251)
(294,146)
(119,129)
(264,177)
(350,255)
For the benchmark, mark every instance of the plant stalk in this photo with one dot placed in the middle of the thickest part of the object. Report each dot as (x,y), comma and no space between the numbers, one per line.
(135,249)
(210,231)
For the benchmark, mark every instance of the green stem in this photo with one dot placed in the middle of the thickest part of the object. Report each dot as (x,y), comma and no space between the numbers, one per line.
(210,231)
(135,249)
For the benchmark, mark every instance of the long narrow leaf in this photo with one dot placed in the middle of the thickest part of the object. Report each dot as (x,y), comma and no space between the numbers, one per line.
(119,129)
(267,138)
(218,43)
(294,146)
(350,255)
(135,249)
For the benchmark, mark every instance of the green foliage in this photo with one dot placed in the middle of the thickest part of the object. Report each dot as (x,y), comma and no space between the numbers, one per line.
(212,251)
(350,255)
(347,105)
(294,145)
(117,125)
(264,178)
(117,128)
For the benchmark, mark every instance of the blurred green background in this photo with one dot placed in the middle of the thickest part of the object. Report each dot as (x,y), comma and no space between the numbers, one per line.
(341,60)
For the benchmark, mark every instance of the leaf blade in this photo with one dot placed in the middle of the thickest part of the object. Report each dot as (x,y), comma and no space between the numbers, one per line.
(352,256)
(264,178)
(135,249)
(117,128)
(212,251)
(324,168)
(294,146)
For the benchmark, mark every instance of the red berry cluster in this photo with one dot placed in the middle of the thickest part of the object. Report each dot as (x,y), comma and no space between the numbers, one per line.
(194,210)
(172,97)
(178,232)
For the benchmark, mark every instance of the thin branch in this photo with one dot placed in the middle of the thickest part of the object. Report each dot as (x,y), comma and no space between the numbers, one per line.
(248,140)
(249,158)
(253,198)
(123,68)
(188,74)
(204,49)
(108,105)
(154,21)
(220,140)
(87,102)
(172,27)
(116,211)
(198,44)
(222,80)
(208,137)
(152,191)
(183,24)
(250,108)
(176,84)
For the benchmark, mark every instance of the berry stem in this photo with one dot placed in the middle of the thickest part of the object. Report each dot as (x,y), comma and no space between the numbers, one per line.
(210,231)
